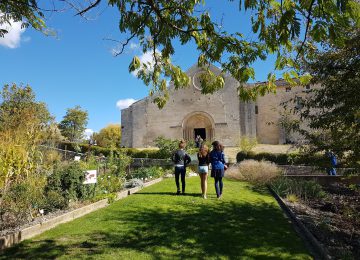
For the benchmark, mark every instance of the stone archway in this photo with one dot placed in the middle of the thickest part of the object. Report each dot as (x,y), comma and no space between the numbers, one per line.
(198,123)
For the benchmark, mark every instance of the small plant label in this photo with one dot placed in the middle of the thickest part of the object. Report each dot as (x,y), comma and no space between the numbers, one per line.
(90,177)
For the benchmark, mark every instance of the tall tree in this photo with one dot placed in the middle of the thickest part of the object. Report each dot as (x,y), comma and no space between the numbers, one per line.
(74,124)
(23,125)
(333,110)
(109,136)
(284,28)
(19,109)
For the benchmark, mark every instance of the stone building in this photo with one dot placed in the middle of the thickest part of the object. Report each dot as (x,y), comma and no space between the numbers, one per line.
(219,116)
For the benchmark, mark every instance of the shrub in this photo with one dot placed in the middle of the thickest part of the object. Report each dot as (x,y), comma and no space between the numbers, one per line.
(67,180)
(234,173)
(145,173)
(282,158)
(292,198)
(258,173)
(21,203)
(114,177)
(247,143)
(166,146)
(134,183)
(109,183)
(54,200)
(301,188)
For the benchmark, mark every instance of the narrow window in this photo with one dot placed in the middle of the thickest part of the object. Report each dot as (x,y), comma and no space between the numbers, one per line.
(256,110)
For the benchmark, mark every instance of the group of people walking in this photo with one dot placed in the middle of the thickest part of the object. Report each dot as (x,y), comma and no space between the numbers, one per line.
(215,158)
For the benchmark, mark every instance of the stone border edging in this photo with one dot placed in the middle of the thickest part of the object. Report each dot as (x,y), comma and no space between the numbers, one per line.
(315,245)
(29,232)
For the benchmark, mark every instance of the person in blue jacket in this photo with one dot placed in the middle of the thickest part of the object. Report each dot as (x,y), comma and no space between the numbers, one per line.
(217,160)
(333,162)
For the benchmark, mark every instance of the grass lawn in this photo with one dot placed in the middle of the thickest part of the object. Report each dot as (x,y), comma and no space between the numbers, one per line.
(156,224)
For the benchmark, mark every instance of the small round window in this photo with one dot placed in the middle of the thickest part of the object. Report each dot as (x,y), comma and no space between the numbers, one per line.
(196,79)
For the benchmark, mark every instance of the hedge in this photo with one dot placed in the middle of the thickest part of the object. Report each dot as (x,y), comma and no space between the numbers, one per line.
(97,150)
(283,158)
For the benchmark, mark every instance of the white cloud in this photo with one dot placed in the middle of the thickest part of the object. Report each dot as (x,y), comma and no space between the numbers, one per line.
(124,103)
(148,59)
(119,47)
(26,39)
(88,133)
(134,46)
(12,39)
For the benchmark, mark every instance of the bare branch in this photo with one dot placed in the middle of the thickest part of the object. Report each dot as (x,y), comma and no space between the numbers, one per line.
(97,2)
(306,30)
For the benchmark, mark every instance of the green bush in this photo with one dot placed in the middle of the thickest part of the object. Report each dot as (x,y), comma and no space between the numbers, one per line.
(163,153)
(303,189)
(54,200)
(246,143)
(282,158)
(21,203)
(241,156)
(108,183)
(166,146)
(113,179)
(67,180)
(143,173)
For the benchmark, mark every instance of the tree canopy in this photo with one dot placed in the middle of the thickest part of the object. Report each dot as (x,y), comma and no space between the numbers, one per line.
(288,29)
(333,110)
(109,136)
(26,11)
(74,123)
(20,111)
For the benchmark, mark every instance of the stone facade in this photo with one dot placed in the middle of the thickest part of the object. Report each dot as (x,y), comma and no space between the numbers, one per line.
(219,116)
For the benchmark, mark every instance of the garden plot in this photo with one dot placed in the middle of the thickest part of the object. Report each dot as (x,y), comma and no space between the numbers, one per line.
(334,220)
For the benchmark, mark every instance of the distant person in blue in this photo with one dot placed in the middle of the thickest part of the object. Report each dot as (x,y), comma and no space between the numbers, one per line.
(217,160)
(331,170)
(180,159)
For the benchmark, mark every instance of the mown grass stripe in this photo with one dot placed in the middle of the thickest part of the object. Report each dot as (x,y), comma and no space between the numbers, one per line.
(156,224)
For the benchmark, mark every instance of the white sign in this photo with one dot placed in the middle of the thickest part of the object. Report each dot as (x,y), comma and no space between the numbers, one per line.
(90,177)
(77,158)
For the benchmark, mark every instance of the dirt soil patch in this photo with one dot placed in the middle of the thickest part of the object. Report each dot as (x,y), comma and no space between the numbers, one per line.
(334,220)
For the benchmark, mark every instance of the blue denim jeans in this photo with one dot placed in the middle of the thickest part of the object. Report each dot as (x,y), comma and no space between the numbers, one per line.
(218,186)
(180,171)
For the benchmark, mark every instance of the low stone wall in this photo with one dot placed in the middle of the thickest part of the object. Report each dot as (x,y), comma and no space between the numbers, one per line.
(326,179)
(310,170)
(148,162)
(29,232)
(301,170)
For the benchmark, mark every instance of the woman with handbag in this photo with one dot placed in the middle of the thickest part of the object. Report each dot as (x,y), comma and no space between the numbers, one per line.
(217,159)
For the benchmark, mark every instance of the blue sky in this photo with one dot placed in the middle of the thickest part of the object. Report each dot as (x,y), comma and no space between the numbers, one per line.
(76,67)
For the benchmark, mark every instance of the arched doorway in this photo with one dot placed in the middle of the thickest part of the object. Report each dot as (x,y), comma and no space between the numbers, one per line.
(198,123)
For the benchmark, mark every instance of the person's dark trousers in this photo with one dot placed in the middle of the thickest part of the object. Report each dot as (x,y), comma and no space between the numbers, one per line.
(180,171)
(218,186)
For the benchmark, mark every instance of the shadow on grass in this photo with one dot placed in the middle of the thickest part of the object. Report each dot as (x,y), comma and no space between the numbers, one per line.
(44,249)
(168,193)
(225,229)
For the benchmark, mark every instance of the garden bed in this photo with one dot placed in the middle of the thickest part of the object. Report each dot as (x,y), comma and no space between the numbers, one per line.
(14,235)
(334,220)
